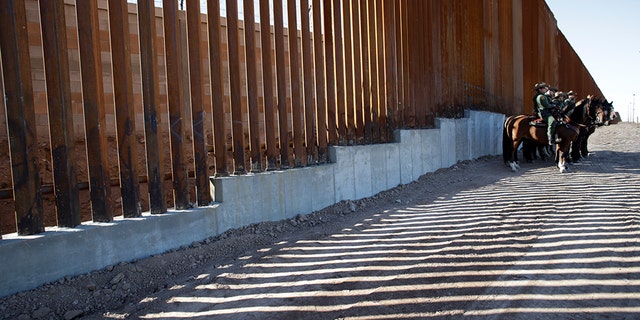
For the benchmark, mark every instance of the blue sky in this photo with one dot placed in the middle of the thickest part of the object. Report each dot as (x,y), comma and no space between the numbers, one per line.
(606,36)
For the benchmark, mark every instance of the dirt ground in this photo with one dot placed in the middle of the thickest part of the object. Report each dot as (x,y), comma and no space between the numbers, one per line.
(471,241)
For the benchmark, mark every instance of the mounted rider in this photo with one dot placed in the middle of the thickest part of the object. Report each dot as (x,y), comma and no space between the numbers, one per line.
(545,108)
(569,103)
(559,100)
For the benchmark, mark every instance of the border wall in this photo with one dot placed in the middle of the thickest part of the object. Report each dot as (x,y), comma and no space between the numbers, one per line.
(118,113)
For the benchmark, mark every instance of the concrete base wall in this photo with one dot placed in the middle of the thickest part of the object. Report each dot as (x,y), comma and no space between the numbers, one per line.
(355,172)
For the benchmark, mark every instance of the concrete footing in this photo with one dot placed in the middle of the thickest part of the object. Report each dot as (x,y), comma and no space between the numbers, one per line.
(354,172)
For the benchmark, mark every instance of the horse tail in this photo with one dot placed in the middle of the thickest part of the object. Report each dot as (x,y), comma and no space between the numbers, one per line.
(507,144)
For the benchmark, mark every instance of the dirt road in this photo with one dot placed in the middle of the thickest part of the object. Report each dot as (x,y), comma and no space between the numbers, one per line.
(472,241)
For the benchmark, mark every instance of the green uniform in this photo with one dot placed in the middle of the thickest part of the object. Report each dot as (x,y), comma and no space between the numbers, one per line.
(569,105)
(545,106)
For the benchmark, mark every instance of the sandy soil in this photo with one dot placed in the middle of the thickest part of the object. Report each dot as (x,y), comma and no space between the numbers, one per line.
(475,240)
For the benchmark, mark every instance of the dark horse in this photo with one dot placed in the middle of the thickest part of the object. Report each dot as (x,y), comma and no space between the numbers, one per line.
(521,127)
(599,112)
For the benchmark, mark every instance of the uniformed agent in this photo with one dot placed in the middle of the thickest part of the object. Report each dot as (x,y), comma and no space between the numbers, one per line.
(545,106)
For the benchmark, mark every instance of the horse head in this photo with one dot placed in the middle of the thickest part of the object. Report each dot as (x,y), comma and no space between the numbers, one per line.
(597,113)
(609,112)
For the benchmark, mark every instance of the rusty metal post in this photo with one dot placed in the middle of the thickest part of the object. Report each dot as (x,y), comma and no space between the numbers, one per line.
(382,75)
(283,117)
(94,110)
(377,71)
(320,73)
(21,122)
(176,107)
(310,113)
(408,109)
(203,189)
(330,67)
(270,111)
(347,43)
(367,83)
(338,41)
(297,105)
(252,86)
(125,112)
(217,88)
(235,88)
(54,41)
(2,109)
(399,66)
(358,66)
(418,83)
(391,73)
(150,90)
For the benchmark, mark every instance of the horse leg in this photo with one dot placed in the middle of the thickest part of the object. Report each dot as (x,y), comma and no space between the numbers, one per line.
(583,146)
(544,151)
(514,156)
(576,148)
(561,155)
(528,150)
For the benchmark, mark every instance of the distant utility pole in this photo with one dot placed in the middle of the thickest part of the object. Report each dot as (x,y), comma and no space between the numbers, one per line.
(633,109)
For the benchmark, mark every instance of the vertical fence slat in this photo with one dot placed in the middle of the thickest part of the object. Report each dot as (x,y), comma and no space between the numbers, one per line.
(297,104)
(217,87)
(368,12)
(235,86)
(390,66)
(194,38)
(329,49)
(411,62)
(283,119)
(3,113)
(338,41)
(358,68)
(102,205)
(56,62)
(398,46)
(382,75)
(367,86)
(419,83)
(21,122)
(125,113)
(150,90)
(270,111)
(176,127)
(407,104)
(428,57)
(436,52)
(252,86)
(320,74)
(310,121)
(347,45)
(426,106)
(376,47)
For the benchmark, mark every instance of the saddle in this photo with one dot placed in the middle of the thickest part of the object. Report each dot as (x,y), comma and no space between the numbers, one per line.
(537,122)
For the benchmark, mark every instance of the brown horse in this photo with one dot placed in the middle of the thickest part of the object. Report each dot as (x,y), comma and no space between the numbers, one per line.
(521,127)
